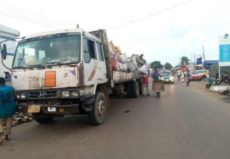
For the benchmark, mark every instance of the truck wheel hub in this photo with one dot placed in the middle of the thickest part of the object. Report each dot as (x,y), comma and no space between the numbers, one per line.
(101,107)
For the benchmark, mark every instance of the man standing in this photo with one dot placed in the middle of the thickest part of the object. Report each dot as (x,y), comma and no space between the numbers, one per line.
(178,75)
(7,110)
(187,77)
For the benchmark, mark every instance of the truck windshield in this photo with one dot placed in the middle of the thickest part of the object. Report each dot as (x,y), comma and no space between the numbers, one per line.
(48,51)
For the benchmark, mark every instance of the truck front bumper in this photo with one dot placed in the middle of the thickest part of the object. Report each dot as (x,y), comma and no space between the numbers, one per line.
(48,109)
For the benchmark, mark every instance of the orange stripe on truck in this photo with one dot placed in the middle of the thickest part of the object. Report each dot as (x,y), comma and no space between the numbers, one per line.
(50,79)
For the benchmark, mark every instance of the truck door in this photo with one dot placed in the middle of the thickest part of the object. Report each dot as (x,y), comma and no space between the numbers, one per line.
(101,78)
(90,61)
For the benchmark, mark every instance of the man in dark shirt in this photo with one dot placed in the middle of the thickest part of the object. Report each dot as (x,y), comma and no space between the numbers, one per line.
(7,110)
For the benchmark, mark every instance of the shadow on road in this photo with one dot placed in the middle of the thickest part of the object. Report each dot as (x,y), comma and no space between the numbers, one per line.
(226,99)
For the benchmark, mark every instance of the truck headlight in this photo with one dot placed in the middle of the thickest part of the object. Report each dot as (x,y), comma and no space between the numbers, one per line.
(18,96)
(171,78)
(65,94)
(74,94)
(82,92)
(23,96)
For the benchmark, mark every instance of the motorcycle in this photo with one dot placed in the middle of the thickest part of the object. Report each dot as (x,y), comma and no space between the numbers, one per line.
(224,78)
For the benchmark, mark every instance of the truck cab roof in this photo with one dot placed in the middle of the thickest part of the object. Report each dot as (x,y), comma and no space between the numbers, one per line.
(64,31)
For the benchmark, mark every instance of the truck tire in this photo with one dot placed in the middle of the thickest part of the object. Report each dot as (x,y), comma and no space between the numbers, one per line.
(43,120)
(135,89)
(129,89)
(100,109)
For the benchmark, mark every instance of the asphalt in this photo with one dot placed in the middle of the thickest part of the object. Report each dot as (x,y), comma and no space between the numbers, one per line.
(185,123)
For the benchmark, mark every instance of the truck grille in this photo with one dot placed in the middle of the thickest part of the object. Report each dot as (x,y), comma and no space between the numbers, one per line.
(42,94)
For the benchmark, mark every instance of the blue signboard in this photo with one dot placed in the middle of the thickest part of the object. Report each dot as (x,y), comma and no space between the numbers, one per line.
(224,51)
(199,61)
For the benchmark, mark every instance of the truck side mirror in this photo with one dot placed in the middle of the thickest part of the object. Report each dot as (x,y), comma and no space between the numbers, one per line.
(4,52)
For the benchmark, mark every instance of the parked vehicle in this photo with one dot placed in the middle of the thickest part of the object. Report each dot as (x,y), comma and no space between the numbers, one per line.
(71,72)
(203,73)
(224,78)
(195,76)
(198,75)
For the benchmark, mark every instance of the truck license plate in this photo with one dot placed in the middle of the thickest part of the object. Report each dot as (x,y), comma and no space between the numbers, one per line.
(51,109)
(33,108)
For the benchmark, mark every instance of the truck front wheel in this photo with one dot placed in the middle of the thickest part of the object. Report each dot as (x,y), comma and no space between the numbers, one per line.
(100,109)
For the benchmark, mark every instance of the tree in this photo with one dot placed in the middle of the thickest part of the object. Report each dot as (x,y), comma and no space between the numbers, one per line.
(167,66)
(156,64)
(184,60)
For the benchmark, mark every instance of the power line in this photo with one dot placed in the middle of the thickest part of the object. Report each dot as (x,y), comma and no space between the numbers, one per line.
(23,18)
(29,12)
(30,16)
(151,15)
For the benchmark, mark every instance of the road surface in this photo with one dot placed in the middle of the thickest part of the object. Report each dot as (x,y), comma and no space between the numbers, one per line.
(185,123)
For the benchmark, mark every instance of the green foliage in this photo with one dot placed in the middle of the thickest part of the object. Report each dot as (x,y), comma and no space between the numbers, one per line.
(184,60)
(167,66)
(156,64)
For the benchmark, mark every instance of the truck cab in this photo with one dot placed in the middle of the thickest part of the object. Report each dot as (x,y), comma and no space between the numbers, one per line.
(61,72)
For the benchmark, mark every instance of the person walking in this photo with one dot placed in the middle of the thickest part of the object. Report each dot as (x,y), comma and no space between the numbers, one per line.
(7,110)
(157,85)
(187,77)
(178,75)
(156,75)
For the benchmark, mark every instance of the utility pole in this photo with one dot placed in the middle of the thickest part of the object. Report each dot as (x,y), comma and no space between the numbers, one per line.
(203,54)
(194,58)
(191,57)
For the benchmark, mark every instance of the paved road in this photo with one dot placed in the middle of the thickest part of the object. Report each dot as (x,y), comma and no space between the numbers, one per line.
(185,123)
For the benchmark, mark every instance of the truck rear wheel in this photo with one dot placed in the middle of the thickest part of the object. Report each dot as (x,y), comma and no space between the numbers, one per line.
(100,109)
(135,89)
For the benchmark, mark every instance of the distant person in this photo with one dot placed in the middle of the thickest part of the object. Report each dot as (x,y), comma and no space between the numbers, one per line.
(7,110)
(178,75)
(187,77)
(183,75)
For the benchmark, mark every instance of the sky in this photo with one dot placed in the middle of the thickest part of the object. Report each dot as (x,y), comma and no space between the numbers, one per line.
(162,30)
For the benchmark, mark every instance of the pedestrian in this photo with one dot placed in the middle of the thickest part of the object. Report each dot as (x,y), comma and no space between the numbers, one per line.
(156,74)
(178,75)
(187,77)
(7,110)
(157,85)
(146,83)
(183,77)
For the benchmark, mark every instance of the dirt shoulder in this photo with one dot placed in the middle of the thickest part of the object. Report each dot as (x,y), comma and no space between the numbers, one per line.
(201,87)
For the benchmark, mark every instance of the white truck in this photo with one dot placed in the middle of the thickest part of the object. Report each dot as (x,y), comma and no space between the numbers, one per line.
(69,72)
